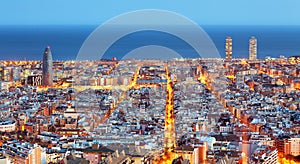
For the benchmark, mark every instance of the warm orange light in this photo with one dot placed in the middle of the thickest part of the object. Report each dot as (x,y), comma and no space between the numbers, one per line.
(286,161)
(169,135)
(135,76)
(203,78)
(244,62)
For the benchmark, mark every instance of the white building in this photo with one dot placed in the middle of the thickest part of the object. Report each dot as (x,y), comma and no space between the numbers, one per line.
(7,125)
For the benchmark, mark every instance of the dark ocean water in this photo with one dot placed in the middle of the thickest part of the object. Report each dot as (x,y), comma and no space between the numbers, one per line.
(28,42)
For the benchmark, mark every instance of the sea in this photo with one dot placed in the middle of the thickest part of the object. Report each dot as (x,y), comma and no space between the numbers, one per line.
(27,42)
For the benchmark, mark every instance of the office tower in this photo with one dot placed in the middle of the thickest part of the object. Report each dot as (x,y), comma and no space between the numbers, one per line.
(47,68)
(228,48)
(252,48)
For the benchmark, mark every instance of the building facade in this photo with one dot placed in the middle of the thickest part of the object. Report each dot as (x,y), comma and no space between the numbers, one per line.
(292,146)
(228,48)
(47,68)
(7,125)
(252,48)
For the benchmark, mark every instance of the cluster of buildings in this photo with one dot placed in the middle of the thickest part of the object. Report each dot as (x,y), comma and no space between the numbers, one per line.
(132,111)
(265,104)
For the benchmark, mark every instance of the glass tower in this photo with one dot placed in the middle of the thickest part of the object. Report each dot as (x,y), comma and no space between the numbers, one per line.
(47,68)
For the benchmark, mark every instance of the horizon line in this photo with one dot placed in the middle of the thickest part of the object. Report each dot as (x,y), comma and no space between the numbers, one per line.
(88,24)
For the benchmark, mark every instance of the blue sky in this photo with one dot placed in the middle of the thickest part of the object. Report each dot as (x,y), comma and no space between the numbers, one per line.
(204,12)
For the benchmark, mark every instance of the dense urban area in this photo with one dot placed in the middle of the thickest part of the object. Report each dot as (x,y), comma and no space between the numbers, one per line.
(151,111)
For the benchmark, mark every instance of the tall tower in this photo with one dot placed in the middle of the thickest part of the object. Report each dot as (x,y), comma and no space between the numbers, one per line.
(252,48)
(47,68)
(228,48)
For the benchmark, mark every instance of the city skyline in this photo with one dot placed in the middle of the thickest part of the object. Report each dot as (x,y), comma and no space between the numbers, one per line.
(150,82)
(192,110)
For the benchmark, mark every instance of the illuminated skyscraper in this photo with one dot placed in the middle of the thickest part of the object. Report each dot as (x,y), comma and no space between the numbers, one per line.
(252,48)
(47,68)
(228,48)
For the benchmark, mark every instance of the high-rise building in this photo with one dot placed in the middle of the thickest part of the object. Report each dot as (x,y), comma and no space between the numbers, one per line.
(228,48)
(47,68)
(252,48)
